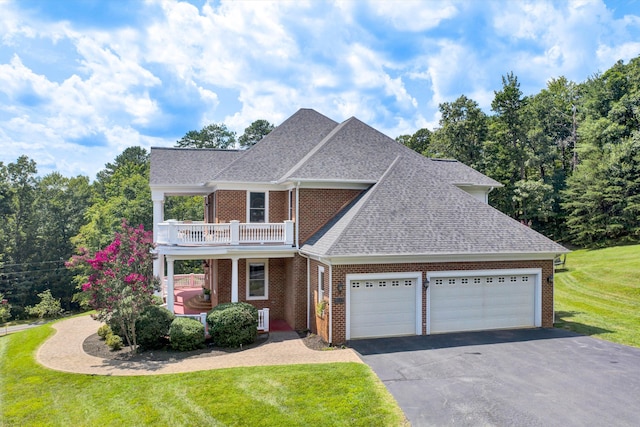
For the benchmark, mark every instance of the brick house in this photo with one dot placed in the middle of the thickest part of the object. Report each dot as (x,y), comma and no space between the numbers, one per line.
(337,228)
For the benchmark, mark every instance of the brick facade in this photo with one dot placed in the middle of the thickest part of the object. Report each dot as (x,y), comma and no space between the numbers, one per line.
(288,295)
(318,206)
(340,272)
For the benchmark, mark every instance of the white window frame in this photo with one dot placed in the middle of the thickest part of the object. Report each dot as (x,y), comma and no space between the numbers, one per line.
(320,283)
(266,206)
(265,262)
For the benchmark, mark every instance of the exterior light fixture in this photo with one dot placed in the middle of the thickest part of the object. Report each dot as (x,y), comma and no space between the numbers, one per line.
(340,287)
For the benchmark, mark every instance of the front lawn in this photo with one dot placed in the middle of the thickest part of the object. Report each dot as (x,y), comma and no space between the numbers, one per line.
(328,394)
(599,294)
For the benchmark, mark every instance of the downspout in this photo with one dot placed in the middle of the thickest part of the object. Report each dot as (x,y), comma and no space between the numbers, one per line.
(330,304)
(298,215)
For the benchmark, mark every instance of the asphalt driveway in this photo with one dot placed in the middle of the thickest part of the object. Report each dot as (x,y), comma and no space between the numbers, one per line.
(536,377)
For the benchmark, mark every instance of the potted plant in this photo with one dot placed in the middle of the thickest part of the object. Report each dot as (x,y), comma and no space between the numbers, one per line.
(206,294)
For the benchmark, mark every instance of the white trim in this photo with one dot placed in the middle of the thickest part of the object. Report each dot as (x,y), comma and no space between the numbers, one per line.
(265,262)
(431,258)
(244,186)
(537,272)
(417,275)
(266,206)
(333,185)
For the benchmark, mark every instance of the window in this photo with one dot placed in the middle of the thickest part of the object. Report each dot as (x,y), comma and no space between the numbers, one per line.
(290,204)
(257,279)
(320,283)
(257,207)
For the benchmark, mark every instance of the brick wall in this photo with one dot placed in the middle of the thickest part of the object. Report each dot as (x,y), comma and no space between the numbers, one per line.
(278,206)
(231,205)
(318,206)
(340,272)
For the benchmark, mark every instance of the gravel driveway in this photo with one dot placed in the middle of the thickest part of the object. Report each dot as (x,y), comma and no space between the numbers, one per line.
(535,377)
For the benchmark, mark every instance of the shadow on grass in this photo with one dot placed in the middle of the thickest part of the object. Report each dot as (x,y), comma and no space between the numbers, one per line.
(562,322)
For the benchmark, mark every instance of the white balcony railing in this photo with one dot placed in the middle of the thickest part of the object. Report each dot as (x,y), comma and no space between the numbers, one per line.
(173,232)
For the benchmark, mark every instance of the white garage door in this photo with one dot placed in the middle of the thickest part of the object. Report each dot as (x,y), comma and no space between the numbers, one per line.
(382,307)
(477,302)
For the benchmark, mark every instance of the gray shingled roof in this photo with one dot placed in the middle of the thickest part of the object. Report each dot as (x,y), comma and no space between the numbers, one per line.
(188,166)
(424,217)
(460,174)
(279,151)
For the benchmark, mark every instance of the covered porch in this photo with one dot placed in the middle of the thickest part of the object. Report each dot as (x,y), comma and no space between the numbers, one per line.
(188,301)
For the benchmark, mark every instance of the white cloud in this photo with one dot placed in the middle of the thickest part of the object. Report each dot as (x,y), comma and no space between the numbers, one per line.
(414,15)
(388,63)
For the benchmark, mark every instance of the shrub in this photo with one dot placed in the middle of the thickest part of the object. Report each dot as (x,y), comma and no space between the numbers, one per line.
(48,306)
(104,331)
(186,334)
(114,342)
(233,324)
(152,326)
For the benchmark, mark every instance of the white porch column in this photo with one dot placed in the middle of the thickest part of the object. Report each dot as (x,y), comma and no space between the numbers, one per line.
(170,294)
(158,217)
(234,279)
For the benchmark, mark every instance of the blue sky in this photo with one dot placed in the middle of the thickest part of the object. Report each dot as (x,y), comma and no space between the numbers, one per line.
(82,80)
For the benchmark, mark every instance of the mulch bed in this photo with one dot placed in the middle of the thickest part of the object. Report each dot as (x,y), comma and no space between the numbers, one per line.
(94,346)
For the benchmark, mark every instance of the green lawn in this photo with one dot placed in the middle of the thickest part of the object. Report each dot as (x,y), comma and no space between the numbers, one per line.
(599,294)
(330,394)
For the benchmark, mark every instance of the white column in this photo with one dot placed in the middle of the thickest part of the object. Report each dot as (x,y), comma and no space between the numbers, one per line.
(158,217)
(235,232)
(288,233)
(170,295)
(234,279)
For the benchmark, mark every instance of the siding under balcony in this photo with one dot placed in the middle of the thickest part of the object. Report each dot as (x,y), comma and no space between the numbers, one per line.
(177,233)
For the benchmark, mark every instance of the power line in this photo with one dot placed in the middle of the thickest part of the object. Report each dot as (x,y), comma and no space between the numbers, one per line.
(30,263)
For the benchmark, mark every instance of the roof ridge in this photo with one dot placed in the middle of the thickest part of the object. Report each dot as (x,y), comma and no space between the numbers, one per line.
(314,150)
(361,204)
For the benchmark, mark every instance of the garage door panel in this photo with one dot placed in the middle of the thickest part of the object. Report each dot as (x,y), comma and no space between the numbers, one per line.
(478,303)
(382,308)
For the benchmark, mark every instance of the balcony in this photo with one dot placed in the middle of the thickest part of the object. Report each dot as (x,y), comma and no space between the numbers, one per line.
(234,233)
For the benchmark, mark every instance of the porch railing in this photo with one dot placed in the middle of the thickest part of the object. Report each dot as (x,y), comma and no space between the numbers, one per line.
(173,232)
(263,319)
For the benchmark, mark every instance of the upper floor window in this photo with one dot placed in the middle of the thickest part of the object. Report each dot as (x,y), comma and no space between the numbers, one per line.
(257,207)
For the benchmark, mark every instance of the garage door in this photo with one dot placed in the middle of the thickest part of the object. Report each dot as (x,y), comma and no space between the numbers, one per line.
(382,307)
(477,302)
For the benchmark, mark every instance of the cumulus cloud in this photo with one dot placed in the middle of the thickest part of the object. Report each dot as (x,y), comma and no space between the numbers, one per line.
(93,90)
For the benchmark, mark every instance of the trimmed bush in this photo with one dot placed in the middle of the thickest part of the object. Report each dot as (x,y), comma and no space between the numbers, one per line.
(186,334)
(114,342)
(233,324)
(153,326)
(104,331)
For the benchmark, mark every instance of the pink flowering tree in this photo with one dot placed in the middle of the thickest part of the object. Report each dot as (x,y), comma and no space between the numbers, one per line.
(120,282)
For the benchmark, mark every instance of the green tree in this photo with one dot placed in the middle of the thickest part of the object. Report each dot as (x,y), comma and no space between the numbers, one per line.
(255,132)
(418,142)
(210,136)
(5,309)
(120,191)
(48,307)
(462,133)
(505,148)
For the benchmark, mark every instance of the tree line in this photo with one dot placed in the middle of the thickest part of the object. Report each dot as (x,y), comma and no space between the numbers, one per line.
(46,219)
(568,157)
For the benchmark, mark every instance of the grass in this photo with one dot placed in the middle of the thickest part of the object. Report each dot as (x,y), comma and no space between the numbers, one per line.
(599,294)
(325,394)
